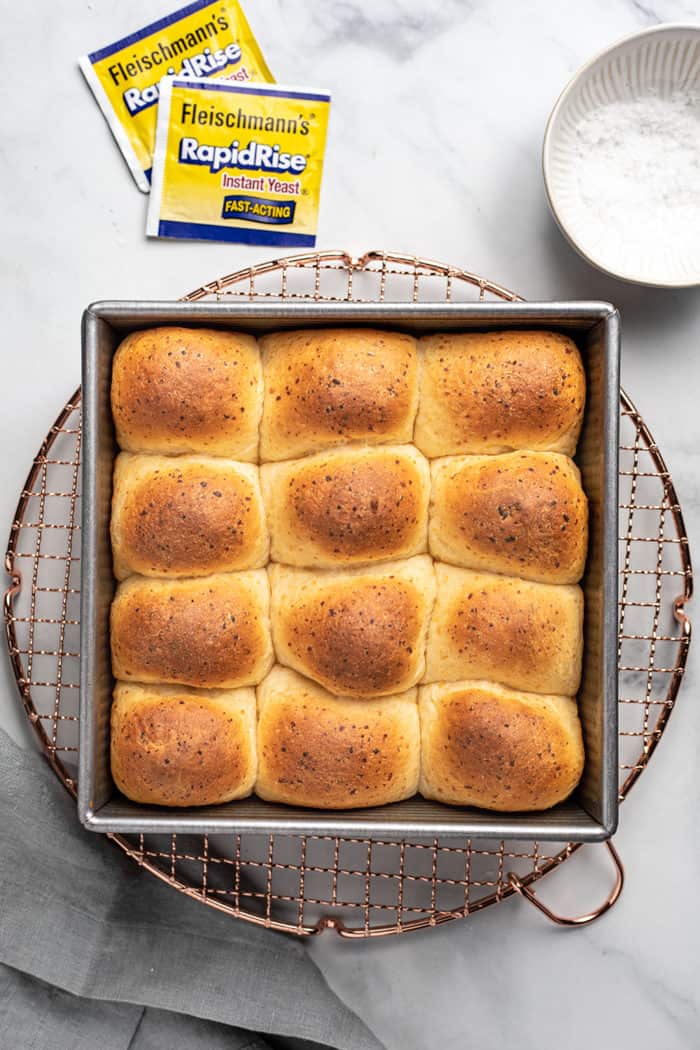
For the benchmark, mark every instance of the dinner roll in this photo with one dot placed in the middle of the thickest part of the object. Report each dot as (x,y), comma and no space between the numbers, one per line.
(498,391)
(175,746)
(348,506)
(522,634)
(523,514)
(330,386)
(188,390)
(186,516)
(330,752)
(213,631)
(483,745)
(358,633)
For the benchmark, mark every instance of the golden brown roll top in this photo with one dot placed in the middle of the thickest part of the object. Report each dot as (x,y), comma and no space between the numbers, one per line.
(188,390)
(332,386)
(487,392)
(212,632)
(358,633)
(522,634)
(483,745)
(522,514)
(330,752)
(186,516)
(173,746)
(348,506)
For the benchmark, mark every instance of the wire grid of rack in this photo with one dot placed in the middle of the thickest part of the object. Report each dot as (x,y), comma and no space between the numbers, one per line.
(360,887)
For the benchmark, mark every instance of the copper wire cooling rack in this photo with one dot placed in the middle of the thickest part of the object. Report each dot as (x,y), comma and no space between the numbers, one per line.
(360,887)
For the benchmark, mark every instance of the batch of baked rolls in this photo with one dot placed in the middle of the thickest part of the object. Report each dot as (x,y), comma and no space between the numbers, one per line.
(348,566)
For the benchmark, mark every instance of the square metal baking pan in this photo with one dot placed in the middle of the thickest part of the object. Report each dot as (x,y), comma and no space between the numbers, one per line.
(590,815)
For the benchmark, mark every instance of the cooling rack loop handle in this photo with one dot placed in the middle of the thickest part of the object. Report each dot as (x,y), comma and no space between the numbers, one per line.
(10,593)
(580,920)
(12,590)
(328,922)
(681,617)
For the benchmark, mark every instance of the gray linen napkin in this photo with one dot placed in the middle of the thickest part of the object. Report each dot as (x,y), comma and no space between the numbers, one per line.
(95,953)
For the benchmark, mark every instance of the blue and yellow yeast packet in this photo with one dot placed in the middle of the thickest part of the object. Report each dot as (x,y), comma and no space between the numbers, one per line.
(207,38)
(237,162)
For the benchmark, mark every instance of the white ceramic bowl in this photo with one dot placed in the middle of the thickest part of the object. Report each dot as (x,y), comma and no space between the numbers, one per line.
(631,237)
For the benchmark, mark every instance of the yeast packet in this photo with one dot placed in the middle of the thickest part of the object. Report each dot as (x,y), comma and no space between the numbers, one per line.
(238,162)
(204,39)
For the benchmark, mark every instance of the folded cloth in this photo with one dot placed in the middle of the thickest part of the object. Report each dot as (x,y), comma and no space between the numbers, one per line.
(96,953)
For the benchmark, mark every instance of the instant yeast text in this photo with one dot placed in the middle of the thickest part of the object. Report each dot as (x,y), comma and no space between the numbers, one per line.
(238,162)
(204,39)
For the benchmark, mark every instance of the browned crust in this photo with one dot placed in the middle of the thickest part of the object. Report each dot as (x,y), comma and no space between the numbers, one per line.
(186,747)
(489,626)
(189,387)
(359,637)
(189,518)
(336,383)
(504,626)
(208,632)
(525,511)
(334,754)
(368,506)
(501,753)
(509,387)
(178,749)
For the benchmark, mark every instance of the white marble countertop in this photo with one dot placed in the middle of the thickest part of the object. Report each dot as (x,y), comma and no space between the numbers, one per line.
(445,105)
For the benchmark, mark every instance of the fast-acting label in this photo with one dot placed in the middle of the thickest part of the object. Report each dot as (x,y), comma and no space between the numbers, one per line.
(238,162)
(204,39)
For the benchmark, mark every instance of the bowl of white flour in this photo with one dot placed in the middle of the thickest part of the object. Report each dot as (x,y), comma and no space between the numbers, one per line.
(621,158)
